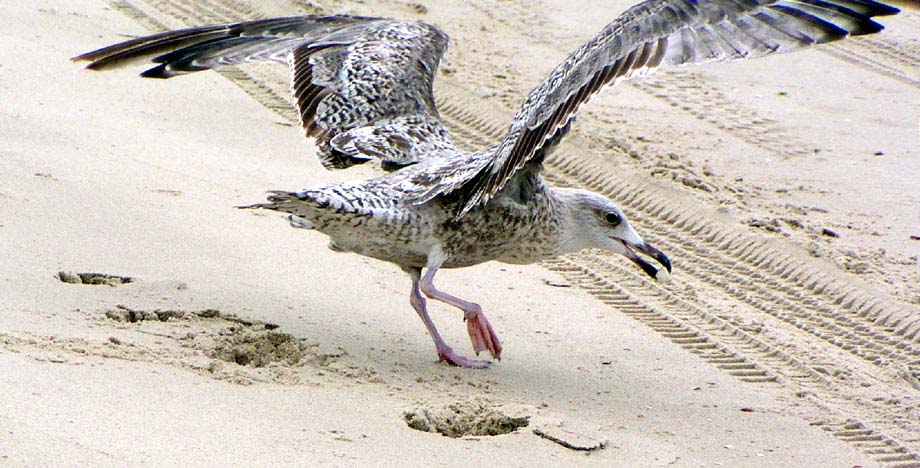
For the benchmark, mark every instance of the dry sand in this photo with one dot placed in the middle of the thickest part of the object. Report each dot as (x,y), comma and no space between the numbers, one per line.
(239,341)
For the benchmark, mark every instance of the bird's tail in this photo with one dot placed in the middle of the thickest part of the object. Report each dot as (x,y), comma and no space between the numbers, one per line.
(300,206)
(316,208)
(295,203)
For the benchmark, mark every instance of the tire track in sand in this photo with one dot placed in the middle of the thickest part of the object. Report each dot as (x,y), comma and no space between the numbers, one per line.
(717,333)
(844,331)
(882,55)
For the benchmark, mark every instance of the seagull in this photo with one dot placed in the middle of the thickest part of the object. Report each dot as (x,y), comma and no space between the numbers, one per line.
(363,89)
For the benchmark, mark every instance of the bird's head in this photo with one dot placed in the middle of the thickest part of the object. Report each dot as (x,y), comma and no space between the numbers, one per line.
(593,221)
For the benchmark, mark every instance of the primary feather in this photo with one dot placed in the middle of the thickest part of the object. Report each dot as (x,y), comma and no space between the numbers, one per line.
(362,86)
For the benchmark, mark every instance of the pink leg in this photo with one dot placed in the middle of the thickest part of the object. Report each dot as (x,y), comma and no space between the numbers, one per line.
(481,334)
(445,353)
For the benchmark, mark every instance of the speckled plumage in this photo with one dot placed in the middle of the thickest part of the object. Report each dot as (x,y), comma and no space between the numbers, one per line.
(375,219)
(363,90)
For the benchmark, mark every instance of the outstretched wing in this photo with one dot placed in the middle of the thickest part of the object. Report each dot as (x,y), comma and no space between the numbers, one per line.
(362,86)
(659,33)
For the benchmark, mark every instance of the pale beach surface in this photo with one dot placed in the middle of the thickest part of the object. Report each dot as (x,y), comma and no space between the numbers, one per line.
(784,190)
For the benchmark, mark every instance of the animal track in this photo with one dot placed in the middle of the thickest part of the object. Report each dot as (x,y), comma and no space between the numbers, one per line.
(239,341)
(93,278)
(464,418)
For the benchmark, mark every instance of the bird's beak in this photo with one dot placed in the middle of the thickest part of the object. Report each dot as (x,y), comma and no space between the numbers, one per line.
(647,267)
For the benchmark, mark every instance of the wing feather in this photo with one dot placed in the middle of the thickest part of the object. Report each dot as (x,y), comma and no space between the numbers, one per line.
(659,33)
(350,76)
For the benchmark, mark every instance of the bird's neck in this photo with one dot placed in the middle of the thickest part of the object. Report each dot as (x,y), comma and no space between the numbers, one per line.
(545,228)
(571,237)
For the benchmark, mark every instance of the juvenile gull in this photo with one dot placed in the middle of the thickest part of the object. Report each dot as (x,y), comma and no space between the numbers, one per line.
(363,90)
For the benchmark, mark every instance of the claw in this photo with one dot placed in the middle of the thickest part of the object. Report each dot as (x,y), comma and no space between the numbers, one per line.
(449,356)
(482,336)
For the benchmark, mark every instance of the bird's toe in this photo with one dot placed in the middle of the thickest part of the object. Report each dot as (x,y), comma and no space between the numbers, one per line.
(454,359)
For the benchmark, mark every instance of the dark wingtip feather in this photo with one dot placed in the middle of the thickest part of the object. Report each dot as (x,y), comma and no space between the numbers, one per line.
(876,9)
(867,27)
(158,71)
(881,9)
(95,59)
(123,53)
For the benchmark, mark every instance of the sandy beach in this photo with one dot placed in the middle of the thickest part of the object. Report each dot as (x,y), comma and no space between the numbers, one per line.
(784,191)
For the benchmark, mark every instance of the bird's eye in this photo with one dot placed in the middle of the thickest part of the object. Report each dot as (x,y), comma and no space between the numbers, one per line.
(612,218)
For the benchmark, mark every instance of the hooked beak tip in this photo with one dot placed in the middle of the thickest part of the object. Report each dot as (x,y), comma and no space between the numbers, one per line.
(647,267)
(663,260)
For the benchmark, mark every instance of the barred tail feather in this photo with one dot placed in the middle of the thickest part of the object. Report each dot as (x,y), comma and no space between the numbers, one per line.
(295,203)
